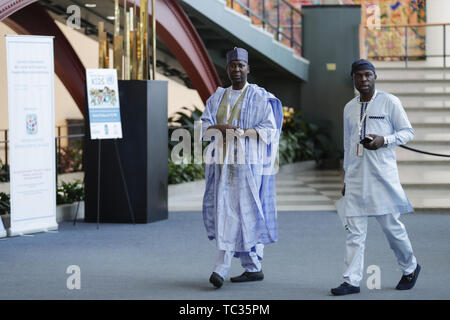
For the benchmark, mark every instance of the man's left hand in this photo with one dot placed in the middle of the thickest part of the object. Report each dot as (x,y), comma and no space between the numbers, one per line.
(376,143)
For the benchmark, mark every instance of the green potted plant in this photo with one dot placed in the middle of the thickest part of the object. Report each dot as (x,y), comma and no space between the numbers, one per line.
(186,171)
(5,209)
(301,140)
(69,197)
(4,172)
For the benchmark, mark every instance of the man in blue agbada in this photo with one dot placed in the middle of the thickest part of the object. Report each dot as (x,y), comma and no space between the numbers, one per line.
(374,124)
(239,204)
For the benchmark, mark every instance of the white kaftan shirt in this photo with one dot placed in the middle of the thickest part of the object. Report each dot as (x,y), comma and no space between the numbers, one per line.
(372,184)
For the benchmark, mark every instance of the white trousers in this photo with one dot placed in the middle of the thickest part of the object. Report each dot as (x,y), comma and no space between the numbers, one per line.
(355,244)
(249,261)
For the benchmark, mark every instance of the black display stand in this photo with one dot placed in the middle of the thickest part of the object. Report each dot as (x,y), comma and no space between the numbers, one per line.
(143,153)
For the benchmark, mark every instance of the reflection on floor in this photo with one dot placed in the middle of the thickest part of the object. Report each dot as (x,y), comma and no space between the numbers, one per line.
(300,187)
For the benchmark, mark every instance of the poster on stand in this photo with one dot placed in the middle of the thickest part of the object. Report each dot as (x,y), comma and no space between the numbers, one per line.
(30,73)
(103,104)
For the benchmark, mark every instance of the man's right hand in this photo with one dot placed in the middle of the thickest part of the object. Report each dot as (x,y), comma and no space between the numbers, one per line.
(343,190)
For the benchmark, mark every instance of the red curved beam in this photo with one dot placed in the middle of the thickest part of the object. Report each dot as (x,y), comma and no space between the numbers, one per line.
(34,19)
(180,36)
(8,7)
(173,27)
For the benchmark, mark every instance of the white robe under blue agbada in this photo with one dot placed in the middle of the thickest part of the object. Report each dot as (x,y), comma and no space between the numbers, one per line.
(372,184)
(253,197)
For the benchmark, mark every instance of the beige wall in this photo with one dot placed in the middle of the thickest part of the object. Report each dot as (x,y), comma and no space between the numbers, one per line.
(87,50)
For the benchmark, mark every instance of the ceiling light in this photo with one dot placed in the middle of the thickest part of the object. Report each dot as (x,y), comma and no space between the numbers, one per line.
(90,5)
(110,17)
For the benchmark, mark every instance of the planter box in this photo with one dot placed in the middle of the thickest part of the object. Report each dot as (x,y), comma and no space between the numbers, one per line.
(67,212)
(64,212)
(5,221)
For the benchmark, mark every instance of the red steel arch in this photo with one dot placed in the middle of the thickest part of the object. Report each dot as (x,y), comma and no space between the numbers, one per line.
(173,27)
(180,36)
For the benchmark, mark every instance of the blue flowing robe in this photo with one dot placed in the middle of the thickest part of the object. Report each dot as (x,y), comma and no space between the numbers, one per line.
(253,196)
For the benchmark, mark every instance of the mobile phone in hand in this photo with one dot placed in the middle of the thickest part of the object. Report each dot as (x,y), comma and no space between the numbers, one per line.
(366,139)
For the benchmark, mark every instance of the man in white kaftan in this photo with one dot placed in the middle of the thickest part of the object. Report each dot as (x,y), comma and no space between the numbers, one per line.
(372,186)
(239,205)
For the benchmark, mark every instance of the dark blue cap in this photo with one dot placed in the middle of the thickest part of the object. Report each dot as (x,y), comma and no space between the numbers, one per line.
(237,54)
(362,64)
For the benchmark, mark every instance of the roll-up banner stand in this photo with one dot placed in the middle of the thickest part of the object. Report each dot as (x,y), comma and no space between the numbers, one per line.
(30,73)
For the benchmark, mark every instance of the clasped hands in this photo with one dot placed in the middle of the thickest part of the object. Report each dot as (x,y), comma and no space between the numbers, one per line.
(223,127)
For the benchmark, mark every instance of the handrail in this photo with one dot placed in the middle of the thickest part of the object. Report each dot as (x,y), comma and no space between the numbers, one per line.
(405,25)
(406,57)
(285,2)
(58,137)
(279,32)
(292,7)
(281,25)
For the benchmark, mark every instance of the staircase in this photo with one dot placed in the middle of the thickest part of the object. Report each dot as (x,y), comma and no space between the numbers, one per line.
(425,95)
(222,28)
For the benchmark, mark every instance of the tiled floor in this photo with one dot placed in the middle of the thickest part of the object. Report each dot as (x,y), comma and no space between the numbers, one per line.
(300,187)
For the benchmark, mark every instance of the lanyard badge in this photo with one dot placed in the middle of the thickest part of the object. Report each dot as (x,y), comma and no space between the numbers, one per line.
(359,150)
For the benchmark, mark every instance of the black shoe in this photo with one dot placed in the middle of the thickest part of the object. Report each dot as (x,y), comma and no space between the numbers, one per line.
(249,276)
(408,281)
(216,280)
(344,289)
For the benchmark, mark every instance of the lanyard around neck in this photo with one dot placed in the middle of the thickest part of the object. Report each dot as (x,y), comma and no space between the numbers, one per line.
(229,99)
(365,113)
